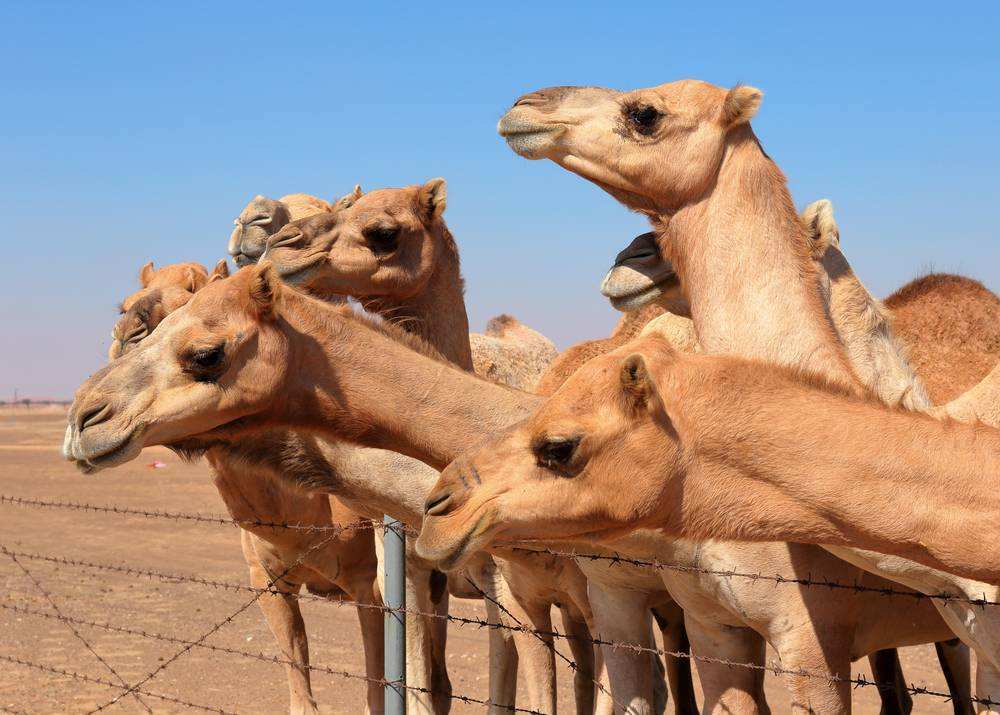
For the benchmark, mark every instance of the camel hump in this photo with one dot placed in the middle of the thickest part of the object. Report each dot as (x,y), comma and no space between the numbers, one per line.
(498,325)
(941,285)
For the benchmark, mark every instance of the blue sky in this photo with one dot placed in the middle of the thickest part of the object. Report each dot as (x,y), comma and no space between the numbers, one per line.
(135,132)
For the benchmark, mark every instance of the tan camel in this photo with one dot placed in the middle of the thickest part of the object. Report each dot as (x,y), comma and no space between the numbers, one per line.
(392,250)
(281,358)
(262,217)
(720,204)
(715,457)
(512,353)
(161,291)
(244,474)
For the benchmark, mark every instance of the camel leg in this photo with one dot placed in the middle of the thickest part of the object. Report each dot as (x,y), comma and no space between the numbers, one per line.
(803,648)
(728,689)
(503,664)
(579,641)
(888,674)
(622,616)
(486,579)
(955,660)
(425,663)
(670,621)
(281,611)
(372,622)
(987,685)
(535,651)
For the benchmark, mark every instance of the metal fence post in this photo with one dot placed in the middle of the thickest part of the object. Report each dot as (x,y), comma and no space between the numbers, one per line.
(394,563)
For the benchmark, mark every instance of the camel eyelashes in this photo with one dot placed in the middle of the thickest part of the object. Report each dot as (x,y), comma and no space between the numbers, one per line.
(556,453)
(643,117)
(382,239)
(204,363)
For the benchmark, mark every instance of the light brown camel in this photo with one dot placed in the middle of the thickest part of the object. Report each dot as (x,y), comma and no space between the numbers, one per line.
(879,358)
(262,217)
(244,473)
(161,291)
(392,251)
(277,357)
(684,154)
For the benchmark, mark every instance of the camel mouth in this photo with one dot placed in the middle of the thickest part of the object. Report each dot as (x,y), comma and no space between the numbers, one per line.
(297,273)
(636,291)
(526,137)
(123,450)
(439,545)
(242,260)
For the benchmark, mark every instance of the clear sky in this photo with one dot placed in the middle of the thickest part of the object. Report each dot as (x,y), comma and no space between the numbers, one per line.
(137,131)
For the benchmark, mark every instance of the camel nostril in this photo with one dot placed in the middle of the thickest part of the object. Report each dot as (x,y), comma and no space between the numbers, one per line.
(437,504)
(91,417)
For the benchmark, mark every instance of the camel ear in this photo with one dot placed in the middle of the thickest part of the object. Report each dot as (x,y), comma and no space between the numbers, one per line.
(264,290)
(146,274)
(821,225)
(432,198)
(348,201)
(636,382)
(740,105)
(220,271)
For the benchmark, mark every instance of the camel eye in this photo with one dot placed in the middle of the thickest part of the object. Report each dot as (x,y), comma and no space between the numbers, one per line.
(259,220)
(644,118)
(556,453)
(204,363)
(382,240)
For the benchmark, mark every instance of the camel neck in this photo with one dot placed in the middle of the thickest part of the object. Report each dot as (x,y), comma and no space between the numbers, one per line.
(743,258)
(873,484)
(437,313)
(865,329)
(352,381)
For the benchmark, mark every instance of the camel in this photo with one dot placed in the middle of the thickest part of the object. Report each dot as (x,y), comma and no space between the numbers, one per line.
(392,251)
(262,217)
(161,291)
(244,475)
(684,154)
(271,357)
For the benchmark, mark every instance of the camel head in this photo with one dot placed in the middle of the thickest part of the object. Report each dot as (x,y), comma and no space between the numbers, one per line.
(653,149)
(219,358)
(580,467)
(386,243)
(255,224)
(163,291)
(263,217)
(640,276)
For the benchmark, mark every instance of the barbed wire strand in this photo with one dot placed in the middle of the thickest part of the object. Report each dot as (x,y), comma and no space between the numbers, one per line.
(215,519)
(217,626)
(53,670)
(808,580)
(614,559)
(175,578)
(76,634)
(259,656)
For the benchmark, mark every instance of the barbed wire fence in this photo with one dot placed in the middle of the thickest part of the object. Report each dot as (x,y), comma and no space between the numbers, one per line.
(139,689)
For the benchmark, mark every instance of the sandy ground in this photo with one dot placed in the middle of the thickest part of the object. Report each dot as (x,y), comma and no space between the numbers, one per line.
(30,466)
